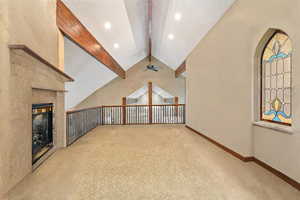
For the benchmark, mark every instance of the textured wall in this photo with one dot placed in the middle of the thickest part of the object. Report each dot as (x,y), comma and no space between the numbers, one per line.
(220,83)
(137,77)
(28,73)
(4,95)
(32,23)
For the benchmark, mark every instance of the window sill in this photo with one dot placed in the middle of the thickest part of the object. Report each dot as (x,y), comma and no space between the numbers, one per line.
(276,127)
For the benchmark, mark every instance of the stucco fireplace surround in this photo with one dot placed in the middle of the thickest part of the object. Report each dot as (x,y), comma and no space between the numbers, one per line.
(33,81)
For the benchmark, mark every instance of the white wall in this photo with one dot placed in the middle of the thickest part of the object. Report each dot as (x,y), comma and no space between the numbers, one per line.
(89,74)
(156,99)
(220,83)
(143,100)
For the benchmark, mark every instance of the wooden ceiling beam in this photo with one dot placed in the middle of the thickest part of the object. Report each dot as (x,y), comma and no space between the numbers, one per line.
(180,69)
(150,30)
(72,28)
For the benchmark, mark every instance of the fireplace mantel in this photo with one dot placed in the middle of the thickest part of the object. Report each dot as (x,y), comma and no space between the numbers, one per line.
(39,58)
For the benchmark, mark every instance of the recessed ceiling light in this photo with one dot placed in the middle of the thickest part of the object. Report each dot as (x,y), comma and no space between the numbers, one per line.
(107,25)
(116,46)
(171,37)
(177,16)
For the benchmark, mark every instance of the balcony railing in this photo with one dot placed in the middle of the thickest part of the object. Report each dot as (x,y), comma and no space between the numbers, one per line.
(80,122)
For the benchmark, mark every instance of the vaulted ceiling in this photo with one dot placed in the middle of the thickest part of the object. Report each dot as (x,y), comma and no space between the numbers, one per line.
(127,39)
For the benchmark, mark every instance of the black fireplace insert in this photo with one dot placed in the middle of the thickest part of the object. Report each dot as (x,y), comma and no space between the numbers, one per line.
(42,130)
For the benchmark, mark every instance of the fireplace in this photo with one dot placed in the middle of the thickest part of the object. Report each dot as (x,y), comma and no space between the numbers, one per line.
(42,130)
(33,136)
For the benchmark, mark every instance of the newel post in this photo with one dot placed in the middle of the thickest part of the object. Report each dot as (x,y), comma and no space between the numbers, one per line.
(124,102)
(150,90)
(176,100)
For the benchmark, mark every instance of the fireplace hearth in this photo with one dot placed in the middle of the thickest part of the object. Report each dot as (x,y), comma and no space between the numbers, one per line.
(42,130)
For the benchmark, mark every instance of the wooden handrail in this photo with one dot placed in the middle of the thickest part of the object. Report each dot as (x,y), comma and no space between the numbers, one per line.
(80,110)
(114,106)
(143,105)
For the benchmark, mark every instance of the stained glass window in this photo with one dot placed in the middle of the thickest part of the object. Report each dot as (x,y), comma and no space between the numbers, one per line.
(276,80)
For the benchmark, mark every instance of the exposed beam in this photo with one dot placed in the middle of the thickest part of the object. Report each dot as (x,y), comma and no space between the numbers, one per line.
(150,29)
(180,69)
(72,28)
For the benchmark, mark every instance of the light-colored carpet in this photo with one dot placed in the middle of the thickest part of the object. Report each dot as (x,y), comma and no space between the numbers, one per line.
(149,162)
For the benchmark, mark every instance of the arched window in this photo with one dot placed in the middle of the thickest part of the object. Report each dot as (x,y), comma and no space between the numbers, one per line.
(276,72)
